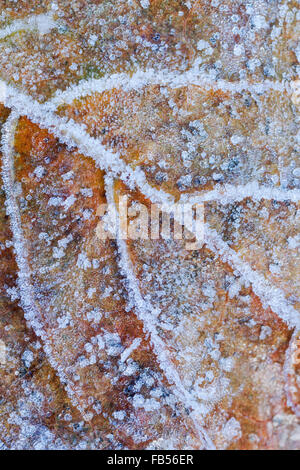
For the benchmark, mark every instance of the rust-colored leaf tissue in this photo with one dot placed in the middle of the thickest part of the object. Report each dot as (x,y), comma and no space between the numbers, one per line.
(149,225)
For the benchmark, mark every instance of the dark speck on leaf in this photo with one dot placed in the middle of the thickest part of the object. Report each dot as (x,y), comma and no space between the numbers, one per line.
(156,37)
(199,180)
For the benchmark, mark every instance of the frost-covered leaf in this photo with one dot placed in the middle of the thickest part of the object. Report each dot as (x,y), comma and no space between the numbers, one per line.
(143,343)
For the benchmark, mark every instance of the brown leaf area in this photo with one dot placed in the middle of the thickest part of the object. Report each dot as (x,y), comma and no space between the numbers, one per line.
(29,388)
(82,306)
(176,350)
